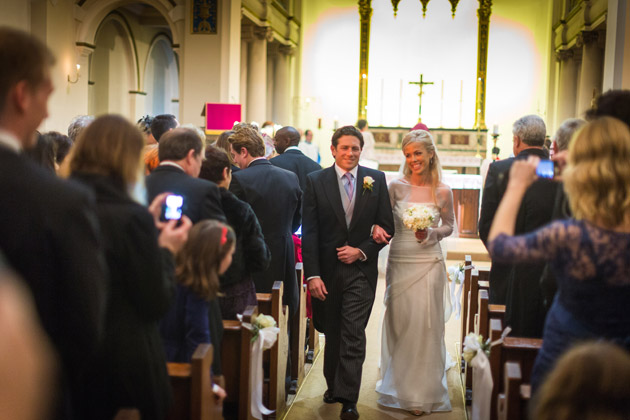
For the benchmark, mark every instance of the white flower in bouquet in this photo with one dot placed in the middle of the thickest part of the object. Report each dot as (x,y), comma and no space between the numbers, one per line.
(472,344)
(418,217)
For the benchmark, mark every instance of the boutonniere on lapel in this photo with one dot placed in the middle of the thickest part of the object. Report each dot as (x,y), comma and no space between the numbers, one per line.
(368,183)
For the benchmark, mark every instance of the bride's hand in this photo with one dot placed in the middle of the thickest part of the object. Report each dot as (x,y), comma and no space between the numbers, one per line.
(379,235)
(421,235)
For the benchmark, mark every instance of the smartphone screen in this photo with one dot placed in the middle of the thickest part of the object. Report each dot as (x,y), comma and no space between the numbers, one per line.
(172,208)
(545,169)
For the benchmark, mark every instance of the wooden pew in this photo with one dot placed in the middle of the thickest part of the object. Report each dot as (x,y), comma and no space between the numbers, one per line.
(275,359)
(482,322)
(236,365)
(471,314)
(192,387)
(465,290)
(298,331)
(513,403)
(513,349)
(313,343)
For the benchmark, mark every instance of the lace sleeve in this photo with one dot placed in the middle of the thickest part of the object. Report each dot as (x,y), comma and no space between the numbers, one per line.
(540,245)
(447,214)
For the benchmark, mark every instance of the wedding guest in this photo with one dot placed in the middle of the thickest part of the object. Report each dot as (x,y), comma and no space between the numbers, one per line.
(43,153)
(77,125)
(161,124)
(223,143)
(290,157)
(252,254)
(206,255)
(129,370)
(590,382)
(309,149)
(150,153)
(368,138)
(63,144)
(589,253)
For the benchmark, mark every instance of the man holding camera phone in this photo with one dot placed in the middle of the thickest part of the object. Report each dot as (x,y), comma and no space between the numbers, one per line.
(517,286)
(181,154)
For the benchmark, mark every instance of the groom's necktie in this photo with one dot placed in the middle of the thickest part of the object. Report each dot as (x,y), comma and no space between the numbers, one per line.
(349,184)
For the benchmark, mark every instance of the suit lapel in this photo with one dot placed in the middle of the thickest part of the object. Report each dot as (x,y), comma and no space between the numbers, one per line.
(360,197)
(331,188)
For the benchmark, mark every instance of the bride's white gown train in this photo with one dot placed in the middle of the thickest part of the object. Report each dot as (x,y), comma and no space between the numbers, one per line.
(417,304)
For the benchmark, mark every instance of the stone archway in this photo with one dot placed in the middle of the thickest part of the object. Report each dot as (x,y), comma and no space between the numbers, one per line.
(161,78)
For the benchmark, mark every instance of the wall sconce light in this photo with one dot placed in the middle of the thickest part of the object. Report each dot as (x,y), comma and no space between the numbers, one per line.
(76,76)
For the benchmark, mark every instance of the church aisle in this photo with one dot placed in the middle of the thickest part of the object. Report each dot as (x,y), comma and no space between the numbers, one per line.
(309,405)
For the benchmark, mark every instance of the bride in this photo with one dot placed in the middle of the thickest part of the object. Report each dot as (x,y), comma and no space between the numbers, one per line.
(413,354)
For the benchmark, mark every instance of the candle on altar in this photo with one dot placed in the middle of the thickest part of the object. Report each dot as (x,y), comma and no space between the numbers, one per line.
(495,130)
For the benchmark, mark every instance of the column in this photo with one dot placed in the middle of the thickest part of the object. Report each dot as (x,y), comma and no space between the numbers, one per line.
(137,104)
(272,54)
(257,75)
(282,88)
(483,15)
(590,83)
(365,12)
(567,85)
(243,81)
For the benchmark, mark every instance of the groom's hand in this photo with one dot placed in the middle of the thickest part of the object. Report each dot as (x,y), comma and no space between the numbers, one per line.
(379,235)
(317,288)
(348,254)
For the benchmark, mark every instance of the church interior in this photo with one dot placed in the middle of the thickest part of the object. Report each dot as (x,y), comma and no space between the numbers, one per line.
(466,69)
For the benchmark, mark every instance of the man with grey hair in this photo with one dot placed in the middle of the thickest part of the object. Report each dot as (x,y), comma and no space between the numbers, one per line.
(517,286)
(77,124)
(563,136)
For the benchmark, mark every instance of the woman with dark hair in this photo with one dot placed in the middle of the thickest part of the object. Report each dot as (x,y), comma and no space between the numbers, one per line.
(43,153)
(252,254)
(129,370)
(223,143)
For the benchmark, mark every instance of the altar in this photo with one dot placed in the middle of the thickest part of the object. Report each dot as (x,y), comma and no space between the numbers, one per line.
(461,151)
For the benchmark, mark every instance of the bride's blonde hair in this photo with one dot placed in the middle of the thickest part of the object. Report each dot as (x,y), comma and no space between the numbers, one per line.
(435,169)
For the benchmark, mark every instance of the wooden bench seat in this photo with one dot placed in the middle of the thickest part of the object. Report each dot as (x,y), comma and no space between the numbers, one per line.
(192,387)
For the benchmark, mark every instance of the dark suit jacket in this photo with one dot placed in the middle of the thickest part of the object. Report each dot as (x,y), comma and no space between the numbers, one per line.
(49,235)
(325,229)
(202,199)
(519,284)
(276,198)
(295,161)
(129,370)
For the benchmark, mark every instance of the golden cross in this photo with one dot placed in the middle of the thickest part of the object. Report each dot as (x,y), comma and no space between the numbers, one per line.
(421,83)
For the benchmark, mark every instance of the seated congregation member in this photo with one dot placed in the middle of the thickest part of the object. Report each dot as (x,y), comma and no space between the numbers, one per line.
(589,253)
(290,157)
(43,153)
(206,255)
(590,382)
(181,154)
(63,145)
(48,230)
(252,254)
(513,284)
(129,370)
(276,198)
(224,143)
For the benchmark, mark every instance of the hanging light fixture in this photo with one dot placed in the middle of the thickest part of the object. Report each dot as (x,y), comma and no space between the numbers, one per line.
(453,6)
(424,7)
(395,4)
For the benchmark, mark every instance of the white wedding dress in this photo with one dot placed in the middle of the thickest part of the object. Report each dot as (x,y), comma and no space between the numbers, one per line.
(417,304)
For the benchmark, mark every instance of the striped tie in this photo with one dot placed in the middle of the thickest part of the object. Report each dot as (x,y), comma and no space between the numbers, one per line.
(349,184)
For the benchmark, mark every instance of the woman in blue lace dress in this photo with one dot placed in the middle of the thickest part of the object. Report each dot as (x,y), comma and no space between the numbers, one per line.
(590,253)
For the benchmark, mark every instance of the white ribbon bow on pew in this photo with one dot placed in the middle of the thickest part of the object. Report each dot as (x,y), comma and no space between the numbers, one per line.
(267,337)
(456,274)
(482,376)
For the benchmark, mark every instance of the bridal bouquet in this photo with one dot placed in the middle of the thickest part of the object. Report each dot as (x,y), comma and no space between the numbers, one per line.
(418,217)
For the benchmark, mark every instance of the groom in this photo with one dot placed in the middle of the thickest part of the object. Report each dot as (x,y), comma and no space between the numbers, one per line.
(341,204)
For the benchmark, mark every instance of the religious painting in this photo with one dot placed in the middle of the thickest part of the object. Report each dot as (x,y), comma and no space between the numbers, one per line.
(204,17)
(381,137)
(460,139)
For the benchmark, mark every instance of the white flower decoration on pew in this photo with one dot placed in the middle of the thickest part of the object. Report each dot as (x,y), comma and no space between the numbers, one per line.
(264,322)
(474,343)
(456,273)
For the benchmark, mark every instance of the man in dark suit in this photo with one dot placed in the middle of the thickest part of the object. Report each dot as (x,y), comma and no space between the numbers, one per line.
(181,154)
(276,198)
(341,204)
(290,157)
(48,229)
(518,285)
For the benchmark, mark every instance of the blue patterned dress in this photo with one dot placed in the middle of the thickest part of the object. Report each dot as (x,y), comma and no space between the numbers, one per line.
(592,266)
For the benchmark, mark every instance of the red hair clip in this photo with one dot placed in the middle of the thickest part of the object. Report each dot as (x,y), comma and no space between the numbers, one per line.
(223,235)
